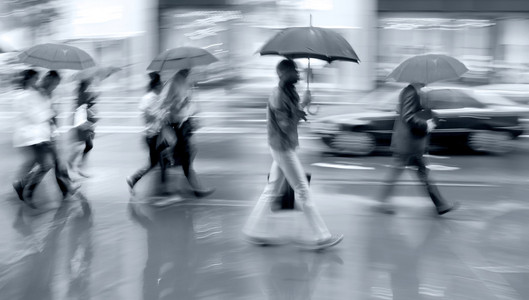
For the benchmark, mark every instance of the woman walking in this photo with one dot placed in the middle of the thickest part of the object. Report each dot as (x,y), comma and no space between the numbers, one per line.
(150,107)
(84,126)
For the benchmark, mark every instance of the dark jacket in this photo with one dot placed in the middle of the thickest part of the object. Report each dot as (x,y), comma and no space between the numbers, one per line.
(410,130)
(283,118)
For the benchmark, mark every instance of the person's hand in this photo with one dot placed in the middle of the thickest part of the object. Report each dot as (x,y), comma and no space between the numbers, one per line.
(430,125)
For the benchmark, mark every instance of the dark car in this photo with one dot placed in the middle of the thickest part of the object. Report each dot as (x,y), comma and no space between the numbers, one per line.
(482,121)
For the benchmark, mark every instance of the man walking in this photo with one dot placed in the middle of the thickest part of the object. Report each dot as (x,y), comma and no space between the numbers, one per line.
(409,143)
(284,113)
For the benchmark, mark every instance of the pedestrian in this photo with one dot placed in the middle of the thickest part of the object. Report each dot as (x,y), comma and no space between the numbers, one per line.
(153,116)
(32,135)
(47,86)
(84,128)
(180,112)
(409,142)
(284,111)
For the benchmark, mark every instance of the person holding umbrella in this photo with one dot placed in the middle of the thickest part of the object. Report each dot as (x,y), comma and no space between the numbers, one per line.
(414,123)
(283,115)
(179,109)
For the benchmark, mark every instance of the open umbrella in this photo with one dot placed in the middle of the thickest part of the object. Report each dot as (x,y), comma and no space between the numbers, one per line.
(95,72)
(181,58)
(310,42)
(56,57)
(428,68)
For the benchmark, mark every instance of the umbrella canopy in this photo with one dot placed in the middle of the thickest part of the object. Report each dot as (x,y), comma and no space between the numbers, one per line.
(310,42)
(95,72)
(428,68)
(181,58)
(56,57)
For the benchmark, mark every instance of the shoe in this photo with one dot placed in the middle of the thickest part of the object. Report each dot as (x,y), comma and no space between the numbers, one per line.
(203,193)
(334,240)
(385,208)
(131,184)
(17,185)
(263,242)
(447,208)
(83,174)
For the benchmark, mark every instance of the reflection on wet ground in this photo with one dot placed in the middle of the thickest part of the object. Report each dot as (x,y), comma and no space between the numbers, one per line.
(193,249)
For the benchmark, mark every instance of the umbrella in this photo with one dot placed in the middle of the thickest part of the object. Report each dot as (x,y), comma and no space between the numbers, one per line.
(56,57)
(181,58)
(95,72)
(428,68)
(310,42)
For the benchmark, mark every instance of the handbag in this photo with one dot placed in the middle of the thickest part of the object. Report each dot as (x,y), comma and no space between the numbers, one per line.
(286,199)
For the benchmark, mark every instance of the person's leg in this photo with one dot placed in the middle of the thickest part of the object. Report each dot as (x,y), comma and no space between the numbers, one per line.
(89,145)
(153,161)
(399,165)
(259,226)
(44,159)
(423,173)
(292,169)
(24,172)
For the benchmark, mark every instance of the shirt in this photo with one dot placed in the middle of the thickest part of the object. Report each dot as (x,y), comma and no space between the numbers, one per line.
(150,108)
(33,123)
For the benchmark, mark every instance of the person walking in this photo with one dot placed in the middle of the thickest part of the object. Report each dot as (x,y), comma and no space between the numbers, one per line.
(284,111)
(47,86)
(180,110)
(85,130)
(32,135)
(150,107)
(409,142)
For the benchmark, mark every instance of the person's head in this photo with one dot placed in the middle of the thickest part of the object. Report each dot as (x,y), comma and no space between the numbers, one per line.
(287,71)
(184,72)
(155,83)
(50,82)
(83,85)
(28,78)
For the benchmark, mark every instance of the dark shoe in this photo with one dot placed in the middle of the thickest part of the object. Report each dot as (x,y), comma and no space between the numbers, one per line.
(385,208)
(447,208)
(131,184)
(17,185)
(203,193)
(334,240)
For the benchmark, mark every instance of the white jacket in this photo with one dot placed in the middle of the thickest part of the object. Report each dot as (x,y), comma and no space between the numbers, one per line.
(33,123)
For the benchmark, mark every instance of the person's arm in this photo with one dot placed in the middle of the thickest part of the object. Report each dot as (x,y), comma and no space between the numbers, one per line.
(410,98)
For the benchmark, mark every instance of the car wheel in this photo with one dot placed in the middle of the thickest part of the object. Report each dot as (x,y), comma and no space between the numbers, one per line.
(357,143)
(495,142)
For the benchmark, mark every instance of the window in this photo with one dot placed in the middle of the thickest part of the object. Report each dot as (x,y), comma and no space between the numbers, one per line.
(451,99)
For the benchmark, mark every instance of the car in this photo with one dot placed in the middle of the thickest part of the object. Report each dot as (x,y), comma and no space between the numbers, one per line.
(481,121)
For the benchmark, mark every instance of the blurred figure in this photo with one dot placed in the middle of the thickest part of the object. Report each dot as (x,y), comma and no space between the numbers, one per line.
(150,107)
(84,127)
(409,143)
(48,84)
(179,106)
(32,135)
(284,113)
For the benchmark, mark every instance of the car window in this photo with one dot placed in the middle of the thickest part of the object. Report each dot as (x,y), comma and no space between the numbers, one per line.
(451,99)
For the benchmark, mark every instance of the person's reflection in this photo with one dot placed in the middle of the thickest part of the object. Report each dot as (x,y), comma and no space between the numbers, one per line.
(396,253)
(169,271)
(291,274)
(35,275)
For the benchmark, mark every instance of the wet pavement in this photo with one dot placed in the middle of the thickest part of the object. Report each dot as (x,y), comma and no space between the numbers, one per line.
(107,244)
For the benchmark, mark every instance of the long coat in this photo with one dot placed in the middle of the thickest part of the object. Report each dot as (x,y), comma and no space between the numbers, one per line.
(410,135)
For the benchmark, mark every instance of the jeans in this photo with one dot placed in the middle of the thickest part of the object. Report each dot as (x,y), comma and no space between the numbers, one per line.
(154,158)
(185,153)
(417,160)
(287,166)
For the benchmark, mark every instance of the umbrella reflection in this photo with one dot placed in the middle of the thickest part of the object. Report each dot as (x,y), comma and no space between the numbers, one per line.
(36,275)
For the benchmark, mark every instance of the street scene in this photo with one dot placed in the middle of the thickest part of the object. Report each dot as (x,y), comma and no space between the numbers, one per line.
(264,150)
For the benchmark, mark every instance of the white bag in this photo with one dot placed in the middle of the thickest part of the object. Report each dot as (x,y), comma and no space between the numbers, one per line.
(80,116)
